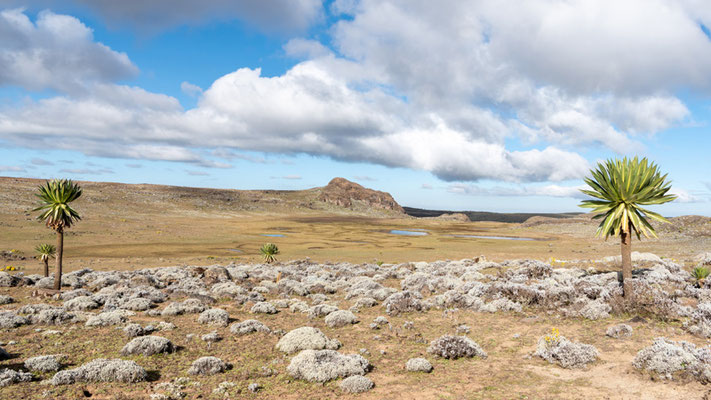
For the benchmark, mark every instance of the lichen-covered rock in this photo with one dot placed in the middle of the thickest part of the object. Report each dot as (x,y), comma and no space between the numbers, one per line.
(48,363)
(148,345)
(207,366)
(559,350)
(102,370)
(214,316)
(619,330)
(402,302)
(306,338)
(326,365)
(109,318)
(9,320)
(667,359)
(10,376)
(356,384)
(454,347)
(340,318)
(248,326)
(418,365)
(263,307)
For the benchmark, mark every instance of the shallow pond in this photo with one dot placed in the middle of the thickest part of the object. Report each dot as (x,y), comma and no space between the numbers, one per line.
(273,234)
(492,237)
(408,233)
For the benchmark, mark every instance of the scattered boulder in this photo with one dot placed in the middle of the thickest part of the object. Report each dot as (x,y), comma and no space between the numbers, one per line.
(48,363)
(559,350)
(418,365)
(102,370)
(667,359)
(214,316)
(356,384)
(189,306)
(248,326)
(207,366)
(340,318)
(306,338)
(81,303)
(618,331)
(133,330)
(148,345)
(4,355)
(326,365)
(454,347)
(321,310)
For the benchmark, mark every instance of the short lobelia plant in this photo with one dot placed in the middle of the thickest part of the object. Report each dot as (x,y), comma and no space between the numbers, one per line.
(700,274)
(620,188)
(45,251)
(269,251)
(55,198)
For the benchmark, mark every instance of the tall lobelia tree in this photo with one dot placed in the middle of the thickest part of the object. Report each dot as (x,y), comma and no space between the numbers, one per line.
(620,188)
(55,198)
(45,251)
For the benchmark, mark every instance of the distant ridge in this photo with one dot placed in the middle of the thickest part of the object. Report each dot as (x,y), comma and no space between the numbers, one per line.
(475,216)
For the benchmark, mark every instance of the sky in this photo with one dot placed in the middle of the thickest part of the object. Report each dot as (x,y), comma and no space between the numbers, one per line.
(491,105)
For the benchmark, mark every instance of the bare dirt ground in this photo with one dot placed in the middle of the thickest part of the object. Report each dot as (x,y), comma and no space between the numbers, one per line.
(131,227)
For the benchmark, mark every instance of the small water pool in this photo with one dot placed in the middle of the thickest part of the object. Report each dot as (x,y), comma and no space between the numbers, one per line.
(273,234)
(236,250)
(408,233)
(492,237)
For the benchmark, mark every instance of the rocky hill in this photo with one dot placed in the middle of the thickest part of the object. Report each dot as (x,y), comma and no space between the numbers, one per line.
(344,193)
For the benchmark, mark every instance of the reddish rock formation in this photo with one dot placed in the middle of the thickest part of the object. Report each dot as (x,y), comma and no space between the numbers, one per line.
(343,192)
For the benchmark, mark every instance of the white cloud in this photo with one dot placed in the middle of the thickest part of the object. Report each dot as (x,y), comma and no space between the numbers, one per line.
(273,15)
(86,171)
(11,168)
(365,178)
(440,89)
(55,52)
(41,161)
(426,186)
(288,177)
(190,89)
(684,196)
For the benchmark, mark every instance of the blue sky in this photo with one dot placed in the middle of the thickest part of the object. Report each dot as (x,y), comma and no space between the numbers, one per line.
(466,107)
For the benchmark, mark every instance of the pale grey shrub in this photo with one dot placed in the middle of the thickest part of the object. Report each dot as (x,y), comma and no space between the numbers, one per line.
(619,330)
(9,319)
(326,365)
(306,338)
(418,365)
(667,359)
(10,376)
(340,318)
(356,384)
(109,318)
(48,363)
(248,326)
(148,345)
(565,353)
(214,316)
(454,347)
(263,307)
(102,370)
(81,303)
(207,366)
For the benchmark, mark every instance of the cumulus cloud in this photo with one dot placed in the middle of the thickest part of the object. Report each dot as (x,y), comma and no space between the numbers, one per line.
(55,52)
(41,161)
(400,84)
(87,171)
(190,89)
(272,15)
(683,196)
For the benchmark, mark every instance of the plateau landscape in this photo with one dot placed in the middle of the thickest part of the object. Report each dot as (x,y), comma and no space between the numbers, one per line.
(336,199)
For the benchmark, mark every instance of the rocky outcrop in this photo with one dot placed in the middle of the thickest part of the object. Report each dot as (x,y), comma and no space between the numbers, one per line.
(345,193)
